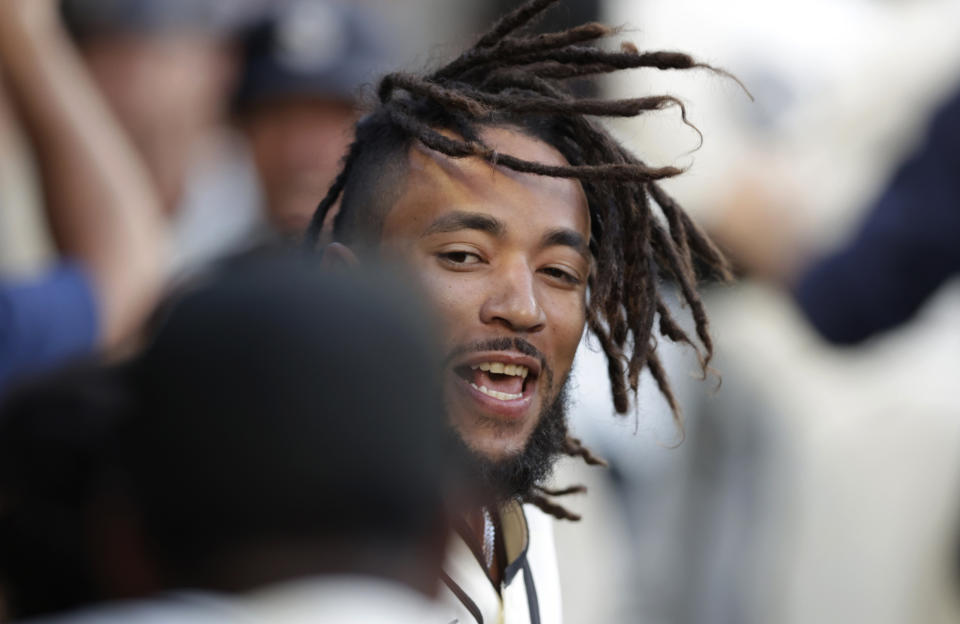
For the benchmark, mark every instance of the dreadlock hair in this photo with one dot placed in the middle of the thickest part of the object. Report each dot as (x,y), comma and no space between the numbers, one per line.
(519,80)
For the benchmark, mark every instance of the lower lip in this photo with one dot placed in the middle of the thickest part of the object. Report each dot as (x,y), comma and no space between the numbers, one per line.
(513,409)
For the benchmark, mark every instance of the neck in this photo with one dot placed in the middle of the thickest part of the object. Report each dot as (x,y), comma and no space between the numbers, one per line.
(485,539)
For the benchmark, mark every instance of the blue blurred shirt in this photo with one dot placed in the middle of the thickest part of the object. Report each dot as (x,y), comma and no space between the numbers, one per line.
(45,321)
(906,248)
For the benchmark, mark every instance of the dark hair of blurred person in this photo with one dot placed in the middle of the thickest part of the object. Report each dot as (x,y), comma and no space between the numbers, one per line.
(53,436)
(284,424)
(304,64)
(313,396)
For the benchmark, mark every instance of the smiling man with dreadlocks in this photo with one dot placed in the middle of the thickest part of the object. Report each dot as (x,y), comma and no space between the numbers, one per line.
(527,223)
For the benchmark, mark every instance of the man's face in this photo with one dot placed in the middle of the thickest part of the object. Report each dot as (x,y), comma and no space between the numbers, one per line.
(504,256)
(297,146)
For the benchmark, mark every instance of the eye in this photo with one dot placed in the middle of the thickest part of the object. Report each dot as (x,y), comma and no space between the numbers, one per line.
(459,258)
(563,275)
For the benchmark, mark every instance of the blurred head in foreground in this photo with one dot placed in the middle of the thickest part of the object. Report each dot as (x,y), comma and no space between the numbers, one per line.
(304,64)
(283,423)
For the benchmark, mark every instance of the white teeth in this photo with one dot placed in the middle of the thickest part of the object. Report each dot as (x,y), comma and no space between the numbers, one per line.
(515,370)
(503,396)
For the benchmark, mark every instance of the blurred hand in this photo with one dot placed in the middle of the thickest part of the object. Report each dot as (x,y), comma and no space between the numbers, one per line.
(27,13)
(101,204)
(757,226)
(23,22)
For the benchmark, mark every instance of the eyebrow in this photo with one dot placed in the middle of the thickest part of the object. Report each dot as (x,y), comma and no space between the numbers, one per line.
(459,220)
(455,221)
(567,238)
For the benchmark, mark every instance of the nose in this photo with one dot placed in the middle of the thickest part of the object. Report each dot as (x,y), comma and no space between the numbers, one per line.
(513,301)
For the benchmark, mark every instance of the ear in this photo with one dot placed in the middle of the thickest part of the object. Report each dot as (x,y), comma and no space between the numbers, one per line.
(338,256)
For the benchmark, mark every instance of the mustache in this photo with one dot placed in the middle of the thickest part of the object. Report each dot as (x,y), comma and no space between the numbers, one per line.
(501,344)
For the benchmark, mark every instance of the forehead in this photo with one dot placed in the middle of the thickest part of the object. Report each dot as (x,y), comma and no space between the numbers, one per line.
(524,202)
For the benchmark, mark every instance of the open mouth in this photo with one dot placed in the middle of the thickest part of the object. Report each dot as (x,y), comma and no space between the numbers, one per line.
(504,382)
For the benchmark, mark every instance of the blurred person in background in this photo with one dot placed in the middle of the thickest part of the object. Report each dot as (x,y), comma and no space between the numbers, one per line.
(99,201)
(526,223)
(167,67)
(907,246)
(240,469)
(815,487)
(303,65)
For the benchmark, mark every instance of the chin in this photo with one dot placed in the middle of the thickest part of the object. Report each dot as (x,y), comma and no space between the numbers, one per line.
(493,448)
(489,434)
(510,463)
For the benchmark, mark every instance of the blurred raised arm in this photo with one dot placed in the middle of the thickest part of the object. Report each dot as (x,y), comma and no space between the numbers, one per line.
(101,205)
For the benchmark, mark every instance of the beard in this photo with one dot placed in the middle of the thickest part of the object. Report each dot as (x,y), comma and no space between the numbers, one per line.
(517,476)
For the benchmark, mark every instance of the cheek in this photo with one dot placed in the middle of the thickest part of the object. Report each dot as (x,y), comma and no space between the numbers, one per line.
(456,300)
(566,313)
(455,297)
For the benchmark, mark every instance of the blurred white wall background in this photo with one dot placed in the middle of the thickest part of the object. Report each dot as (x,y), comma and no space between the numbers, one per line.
(819,484)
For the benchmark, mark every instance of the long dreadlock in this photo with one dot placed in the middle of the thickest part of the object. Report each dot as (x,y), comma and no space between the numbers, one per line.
(520,80)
